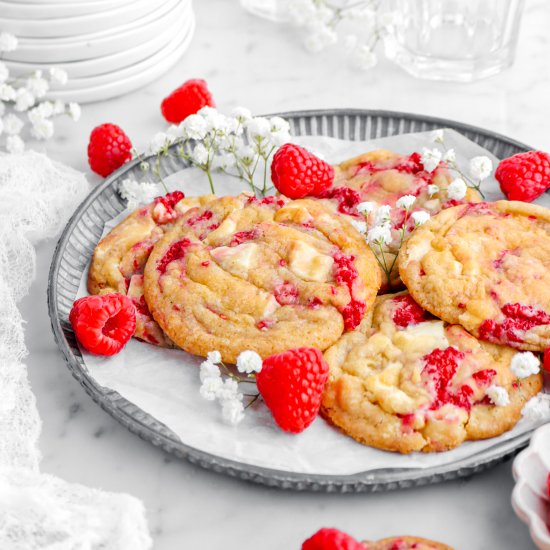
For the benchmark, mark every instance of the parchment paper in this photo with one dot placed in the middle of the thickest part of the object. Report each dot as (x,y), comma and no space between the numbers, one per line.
(165,383)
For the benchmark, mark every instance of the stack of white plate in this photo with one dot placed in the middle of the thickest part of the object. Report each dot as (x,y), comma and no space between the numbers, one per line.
(107,47)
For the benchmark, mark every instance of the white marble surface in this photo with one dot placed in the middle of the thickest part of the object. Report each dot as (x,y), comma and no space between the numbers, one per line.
(257,64)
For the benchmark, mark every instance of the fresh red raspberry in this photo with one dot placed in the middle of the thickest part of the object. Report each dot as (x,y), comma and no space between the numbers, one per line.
(525,176)
(296,172)
(291,384)
(103,324)
(109,148)
(546,360)
(332,539)
(186,100)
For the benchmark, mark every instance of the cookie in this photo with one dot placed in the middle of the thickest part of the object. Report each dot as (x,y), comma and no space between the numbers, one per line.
(119,258)
(266,275)
(485,267)
(383,177)
(405,543)
(415,383)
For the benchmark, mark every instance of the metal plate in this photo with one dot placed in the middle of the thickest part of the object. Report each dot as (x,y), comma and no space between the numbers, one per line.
(84,230)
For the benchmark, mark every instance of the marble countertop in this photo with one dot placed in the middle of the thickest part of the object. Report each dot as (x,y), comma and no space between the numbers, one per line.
(251,62)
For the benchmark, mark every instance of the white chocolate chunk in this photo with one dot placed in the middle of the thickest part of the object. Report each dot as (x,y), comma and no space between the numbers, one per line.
(226,228)
(236,260)
(423,336)
(308,263)
(417,252)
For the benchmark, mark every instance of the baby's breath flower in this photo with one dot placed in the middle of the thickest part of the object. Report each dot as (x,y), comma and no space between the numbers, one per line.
(214,357)
(194,127)
(380,234)
(420,217)
(457,189)
(246,154)
(241,114)
(158,142)
(37,85)
(432,190)
(365,208)
(42,129)
(23,99)
(45,109)
(498,395)
(4,72)
(430,159)
(136,193)
(361,226)
(232,411)
(382,214)
(12,124)
(406,201)
(74,111)
(199,154)
(7,92)
(59,108)
(14,145)
(525,364)
(436,136)
(229,390)
(59,76)
(249,361)
(210,388)
(258,128)
(481,167)
(209,369)
(8,42)
(449,156)
(223,161)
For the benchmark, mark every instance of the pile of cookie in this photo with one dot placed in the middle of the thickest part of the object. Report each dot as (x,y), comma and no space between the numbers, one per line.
(420,360)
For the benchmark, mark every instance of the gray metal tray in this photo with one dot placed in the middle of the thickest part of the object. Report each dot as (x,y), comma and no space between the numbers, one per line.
(84,230)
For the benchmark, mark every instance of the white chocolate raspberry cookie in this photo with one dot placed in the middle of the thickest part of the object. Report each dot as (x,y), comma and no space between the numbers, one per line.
(405,543)
(414,383)
(266,275)
(119,258)
(487,268)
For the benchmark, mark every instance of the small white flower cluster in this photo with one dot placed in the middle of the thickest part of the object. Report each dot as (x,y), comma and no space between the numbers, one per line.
(525,364)
(498,395)
(537,408)
(480,168)
(233,144)
(137,193)
(25,95)
(214,387)
(320,20)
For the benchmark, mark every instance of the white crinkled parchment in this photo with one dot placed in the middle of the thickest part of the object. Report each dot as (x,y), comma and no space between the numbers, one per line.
(165,383)
(39,510)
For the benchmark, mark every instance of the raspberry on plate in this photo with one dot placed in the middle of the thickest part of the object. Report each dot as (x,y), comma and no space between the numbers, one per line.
(291,384)
(186,100)
(297,173)
(109,148)
(525,176)
(103,324)
(331,539)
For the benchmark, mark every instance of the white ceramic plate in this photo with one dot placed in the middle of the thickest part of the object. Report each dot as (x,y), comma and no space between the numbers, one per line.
(529,498)
(127,35)
(106,64)
(102,20)
(99,93)
(18,9)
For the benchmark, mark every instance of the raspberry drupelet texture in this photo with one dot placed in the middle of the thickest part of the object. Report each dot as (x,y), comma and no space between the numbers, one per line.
(186,100)
(331,539)
(291,384)
(297,173)
(108,149)
(103,324)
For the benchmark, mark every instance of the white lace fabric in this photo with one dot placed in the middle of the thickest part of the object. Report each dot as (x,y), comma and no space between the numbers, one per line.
(40,511)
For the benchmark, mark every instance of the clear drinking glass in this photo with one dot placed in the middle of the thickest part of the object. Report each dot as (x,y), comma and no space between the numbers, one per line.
(459,40)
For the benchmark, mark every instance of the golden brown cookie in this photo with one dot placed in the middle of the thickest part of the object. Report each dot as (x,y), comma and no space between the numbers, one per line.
(405,543)
(119,258)
(487,268)
(414,383)
(383,177)
(266,275)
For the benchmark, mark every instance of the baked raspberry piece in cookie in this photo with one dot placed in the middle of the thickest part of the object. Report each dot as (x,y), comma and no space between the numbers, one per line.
(485,267)
(119,258)
(266,275)
(383,177)
(410,382)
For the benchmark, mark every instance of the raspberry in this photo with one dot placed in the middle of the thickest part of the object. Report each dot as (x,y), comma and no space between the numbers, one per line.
(525,176)
(175,252)
(548,485)
(345,274)
(408,312)
(164,209)
(186,100)
(291,384)
(243,236)
(546,360)
(331,539)
(296,172)
(103,324)
(484,377)
(286,294)
(109,148)
(347,199)
(519,319)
